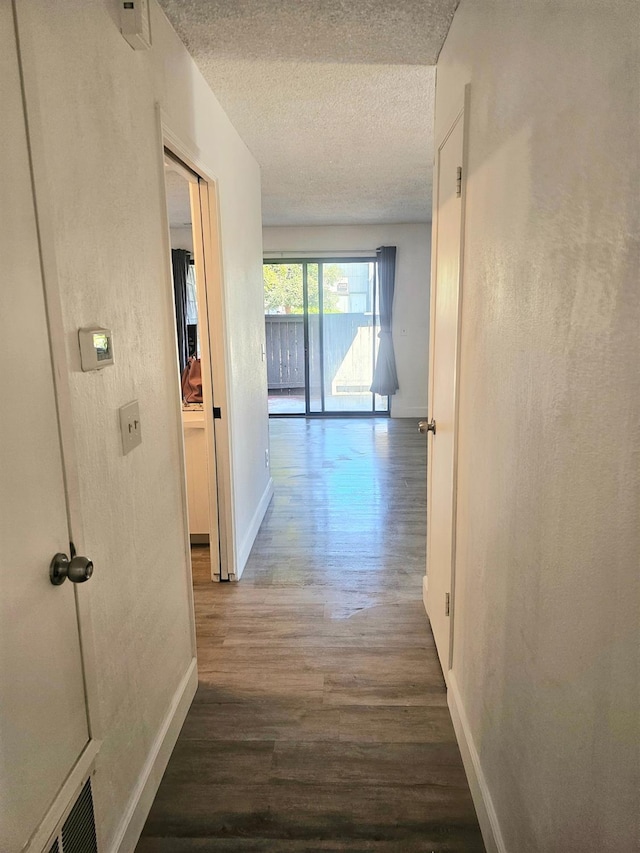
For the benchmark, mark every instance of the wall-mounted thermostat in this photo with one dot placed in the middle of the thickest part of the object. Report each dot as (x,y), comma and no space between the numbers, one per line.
(135,24)
(96,348)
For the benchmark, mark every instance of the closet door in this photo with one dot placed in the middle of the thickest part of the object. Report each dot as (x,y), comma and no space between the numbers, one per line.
(43,718)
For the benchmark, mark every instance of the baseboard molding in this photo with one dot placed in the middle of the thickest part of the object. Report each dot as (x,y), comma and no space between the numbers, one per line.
(486,812)
(144,793)
(399,411)
(425,587)
(252,532)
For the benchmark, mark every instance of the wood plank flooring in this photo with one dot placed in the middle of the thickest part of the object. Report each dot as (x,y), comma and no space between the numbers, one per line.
(321,723)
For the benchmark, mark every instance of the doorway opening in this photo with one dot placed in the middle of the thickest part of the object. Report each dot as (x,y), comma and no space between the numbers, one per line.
(321,325)
(186,196)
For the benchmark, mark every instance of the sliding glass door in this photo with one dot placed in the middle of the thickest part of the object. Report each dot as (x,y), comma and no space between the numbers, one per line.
(285,338)
(322,336)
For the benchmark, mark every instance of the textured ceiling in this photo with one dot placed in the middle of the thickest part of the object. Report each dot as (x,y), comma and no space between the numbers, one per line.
(334,99)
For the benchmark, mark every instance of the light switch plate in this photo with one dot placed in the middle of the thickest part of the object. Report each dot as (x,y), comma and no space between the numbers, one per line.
(130,426)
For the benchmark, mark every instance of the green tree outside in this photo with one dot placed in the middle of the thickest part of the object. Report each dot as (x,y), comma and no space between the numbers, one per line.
(283,288)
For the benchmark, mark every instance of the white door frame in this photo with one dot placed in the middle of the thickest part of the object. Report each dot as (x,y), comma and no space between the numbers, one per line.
(209,274)
(459,113)
(51,282)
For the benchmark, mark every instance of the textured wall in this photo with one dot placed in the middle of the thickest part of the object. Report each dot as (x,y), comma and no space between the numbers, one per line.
(546,645)
(97,102)
(411,300)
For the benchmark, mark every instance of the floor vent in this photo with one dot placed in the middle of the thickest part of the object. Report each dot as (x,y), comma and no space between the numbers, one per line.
(78,833)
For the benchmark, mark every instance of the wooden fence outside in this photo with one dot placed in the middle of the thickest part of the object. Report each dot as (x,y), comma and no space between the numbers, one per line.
(285,348)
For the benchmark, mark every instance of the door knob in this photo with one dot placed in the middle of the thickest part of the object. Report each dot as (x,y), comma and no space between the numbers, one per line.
(77,569)
(427,426)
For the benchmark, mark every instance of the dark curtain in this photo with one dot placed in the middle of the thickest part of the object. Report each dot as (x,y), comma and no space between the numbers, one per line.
(180,264)
(385,377)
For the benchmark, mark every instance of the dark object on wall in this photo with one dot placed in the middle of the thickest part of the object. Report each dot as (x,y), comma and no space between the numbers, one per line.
(78,833)
(180,265)
(192,339)
(385,377)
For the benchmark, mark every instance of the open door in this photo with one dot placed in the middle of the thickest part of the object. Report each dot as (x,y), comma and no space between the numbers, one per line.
(443,386)
(205,423)
(47,748)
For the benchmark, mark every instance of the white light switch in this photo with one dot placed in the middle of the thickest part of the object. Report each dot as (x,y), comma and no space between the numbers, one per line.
(130,426)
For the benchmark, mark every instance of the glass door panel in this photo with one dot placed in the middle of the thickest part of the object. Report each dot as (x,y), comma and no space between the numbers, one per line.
(381,403)
(285,338)
(348,335)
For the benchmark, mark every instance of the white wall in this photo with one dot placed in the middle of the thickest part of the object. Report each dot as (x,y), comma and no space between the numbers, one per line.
(182,238)
(97,104)
(411,298)
(546,659)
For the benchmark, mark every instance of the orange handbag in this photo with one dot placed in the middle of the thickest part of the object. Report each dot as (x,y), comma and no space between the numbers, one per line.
(192,381)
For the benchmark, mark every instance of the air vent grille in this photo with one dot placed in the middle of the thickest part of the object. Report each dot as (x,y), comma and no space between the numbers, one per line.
(79,829)
(55,848)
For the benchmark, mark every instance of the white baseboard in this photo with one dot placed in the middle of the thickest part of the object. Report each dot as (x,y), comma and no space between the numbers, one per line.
(400,411)
(144,793)
(252,531)
(485,810)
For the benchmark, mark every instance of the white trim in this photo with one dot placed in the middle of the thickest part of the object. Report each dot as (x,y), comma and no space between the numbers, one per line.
(485,809)
(203,286)
(254,526)
(182,144)
(139,805)
(178,426)
(457,383)
(399,411)
(220,361)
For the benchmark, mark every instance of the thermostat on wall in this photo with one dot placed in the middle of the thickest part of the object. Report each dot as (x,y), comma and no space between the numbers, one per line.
(96,348)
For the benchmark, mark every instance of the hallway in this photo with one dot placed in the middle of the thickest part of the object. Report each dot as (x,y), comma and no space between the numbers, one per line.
(321,722)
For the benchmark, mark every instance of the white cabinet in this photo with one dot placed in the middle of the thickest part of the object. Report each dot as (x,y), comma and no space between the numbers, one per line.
(197,478)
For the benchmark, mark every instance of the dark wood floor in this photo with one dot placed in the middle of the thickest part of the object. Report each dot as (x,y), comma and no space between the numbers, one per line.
(321,722)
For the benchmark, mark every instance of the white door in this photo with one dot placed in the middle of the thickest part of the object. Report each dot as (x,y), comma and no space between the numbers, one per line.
(43,718)
(445,306)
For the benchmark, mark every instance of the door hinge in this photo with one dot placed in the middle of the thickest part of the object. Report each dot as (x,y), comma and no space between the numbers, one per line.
(217,412)
(458,181)
(447,599)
